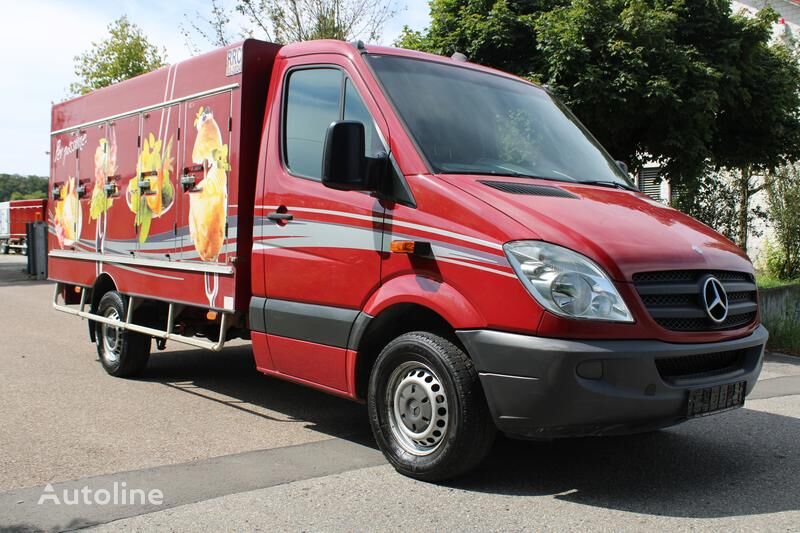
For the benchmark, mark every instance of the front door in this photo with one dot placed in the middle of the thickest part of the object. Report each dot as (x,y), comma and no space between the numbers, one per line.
(322,247)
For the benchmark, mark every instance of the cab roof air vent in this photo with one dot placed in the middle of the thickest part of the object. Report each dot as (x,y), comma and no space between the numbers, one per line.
(529,189)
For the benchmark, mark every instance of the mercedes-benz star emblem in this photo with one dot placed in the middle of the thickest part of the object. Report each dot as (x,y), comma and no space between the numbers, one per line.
(715,299)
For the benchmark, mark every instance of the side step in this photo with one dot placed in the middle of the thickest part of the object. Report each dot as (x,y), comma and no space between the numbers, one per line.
(130,326)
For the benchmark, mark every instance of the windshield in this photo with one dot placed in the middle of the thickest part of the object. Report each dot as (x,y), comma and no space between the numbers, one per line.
(470,122)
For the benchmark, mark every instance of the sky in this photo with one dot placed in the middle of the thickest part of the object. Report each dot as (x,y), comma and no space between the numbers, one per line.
(40,39)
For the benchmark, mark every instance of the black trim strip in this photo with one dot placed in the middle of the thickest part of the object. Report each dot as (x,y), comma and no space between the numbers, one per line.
(320,324)
(258,316)
(359,327)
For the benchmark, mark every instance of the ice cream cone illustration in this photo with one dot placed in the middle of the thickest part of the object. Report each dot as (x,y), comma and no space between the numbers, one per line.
(105,164)
(154,169)
(208,206)
(68,216)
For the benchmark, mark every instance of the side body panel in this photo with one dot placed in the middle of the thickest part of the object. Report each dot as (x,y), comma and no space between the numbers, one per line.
(19,213)
(119,156)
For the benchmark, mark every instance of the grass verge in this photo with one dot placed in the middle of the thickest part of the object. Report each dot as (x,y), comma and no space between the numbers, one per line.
(765,281)
(784,334)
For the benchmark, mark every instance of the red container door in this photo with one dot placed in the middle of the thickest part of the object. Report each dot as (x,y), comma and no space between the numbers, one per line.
(205,172)
(120,232)
(65,217)
(156,195)
(91,193)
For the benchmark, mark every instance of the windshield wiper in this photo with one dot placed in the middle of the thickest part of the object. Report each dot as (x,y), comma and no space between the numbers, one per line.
(612,184)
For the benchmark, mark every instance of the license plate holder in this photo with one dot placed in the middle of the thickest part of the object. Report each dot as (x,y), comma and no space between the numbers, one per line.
(712,400)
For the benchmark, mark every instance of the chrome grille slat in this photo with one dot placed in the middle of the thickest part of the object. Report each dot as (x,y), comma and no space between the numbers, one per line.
(674,300)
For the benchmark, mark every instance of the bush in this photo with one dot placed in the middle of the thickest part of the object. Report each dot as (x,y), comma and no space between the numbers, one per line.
(714,200)
(784,335)
(783,194)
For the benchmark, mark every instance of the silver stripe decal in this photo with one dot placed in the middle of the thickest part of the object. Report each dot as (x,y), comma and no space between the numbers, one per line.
(316,234)
(151,107)
(394,222)
(155,263)
(478,267)
(145,273)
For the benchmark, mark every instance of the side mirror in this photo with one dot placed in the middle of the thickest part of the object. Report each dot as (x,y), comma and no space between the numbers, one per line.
(344,165)
(622,166)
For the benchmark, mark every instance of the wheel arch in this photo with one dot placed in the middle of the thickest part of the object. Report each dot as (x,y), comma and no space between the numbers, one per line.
(102,284)
(408,303)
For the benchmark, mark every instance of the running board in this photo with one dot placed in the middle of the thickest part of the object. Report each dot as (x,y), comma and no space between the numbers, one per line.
(130,326)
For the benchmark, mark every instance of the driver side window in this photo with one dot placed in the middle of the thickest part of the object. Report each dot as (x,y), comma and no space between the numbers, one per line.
(354,109)
(315,97)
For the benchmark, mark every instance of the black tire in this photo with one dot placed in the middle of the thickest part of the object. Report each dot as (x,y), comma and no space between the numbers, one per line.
(468,430)
(4,248)
(122,353)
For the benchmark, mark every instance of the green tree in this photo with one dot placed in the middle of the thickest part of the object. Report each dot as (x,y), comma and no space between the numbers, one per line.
(783,193)
(715,200)
(287,21)
(675,81)
(758,123)
(126,53)
(16,187)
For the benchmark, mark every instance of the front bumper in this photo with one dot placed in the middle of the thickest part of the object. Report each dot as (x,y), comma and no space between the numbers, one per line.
(538,387)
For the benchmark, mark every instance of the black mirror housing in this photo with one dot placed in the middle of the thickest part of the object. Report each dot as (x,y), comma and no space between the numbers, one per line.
(344,165)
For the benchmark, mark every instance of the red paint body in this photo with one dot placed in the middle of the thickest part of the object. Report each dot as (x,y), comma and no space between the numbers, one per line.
(23,211)
(469,283)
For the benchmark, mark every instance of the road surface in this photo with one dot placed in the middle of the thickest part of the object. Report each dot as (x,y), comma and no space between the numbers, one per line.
(231,449)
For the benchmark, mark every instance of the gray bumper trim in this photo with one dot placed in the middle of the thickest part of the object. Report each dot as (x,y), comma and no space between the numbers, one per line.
(534,390)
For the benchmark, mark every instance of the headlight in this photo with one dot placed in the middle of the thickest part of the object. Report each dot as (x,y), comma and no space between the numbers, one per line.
(565,282)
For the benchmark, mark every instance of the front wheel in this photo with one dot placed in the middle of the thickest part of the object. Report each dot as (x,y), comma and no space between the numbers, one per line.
(427,409)
(122,353)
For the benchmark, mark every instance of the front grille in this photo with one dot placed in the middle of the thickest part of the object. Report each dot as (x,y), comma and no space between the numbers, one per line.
(674,298)
(707,364)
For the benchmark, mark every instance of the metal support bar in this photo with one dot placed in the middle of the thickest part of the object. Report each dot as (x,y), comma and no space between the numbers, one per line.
(130,326)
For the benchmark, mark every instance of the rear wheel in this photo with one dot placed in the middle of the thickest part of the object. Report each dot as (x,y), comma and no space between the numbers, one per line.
(427,408)
(122,353)
(4,248)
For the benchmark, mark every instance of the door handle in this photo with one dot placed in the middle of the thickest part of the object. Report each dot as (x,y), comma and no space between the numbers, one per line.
(280,217)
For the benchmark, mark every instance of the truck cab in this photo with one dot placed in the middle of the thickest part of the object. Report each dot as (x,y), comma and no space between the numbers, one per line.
(443,241)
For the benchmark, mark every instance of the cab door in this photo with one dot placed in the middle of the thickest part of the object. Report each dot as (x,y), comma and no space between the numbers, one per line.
(322,247)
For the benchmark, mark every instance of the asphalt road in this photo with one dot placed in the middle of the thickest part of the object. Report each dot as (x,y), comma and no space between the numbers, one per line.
(231,449)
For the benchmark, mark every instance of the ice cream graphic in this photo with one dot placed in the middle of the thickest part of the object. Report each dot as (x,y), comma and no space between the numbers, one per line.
(156,198)
(208,204)
(105,166)
(68,216)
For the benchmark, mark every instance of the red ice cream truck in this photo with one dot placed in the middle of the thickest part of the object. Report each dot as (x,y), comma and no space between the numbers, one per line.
(441,240)
(14,217)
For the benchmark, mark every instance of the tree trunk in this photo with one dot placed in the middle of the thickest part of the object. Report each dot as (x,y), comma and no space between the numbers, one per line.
(744,207)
